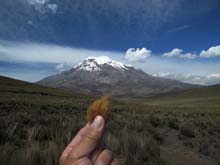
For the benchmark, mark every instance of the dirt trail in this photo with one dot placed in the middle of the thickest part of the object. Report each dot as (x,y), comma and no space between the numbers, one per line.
(173,152)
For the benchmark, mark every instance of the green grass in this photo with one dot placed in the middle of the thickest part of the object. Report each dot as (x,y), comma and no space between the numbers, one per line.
(38,122)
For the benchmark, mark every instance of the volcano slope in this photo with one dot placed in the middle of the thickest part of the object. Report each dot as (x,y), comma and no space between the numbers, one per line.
(101,75)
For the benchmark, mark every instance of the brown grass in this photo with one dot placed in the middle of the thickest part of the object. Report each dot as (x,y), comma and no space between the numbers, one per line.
(37,123)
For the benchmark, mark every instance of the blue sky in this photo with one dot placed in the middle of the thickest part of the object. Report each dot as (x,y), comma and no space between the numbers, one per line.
(177,39)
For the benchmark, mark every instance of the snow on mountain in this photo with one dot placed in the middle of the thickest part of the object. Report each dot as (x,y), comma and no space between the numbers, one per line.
(95,64)
(101,75)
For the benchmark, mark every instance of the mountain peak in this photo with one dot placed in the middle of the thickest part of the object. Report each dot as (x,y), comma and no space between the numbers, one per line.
(96,63)
(101,75)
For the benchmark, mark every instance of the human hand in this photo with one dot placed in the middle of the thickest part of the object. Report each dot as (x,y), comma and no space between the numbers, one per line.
(83,149)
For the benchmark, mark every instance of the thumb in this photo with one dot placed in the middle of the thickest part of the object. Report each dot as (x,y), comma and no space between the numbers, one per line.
(89,139)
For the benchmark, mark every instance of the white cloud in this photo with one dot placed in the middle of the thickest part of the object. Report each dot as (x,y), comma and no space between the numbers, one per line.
(134,55)
(211,52)
(36,2)
(53,7)
(60,67)
(43,6)
(45,53)
(209,79)
(174,53)
(178,53)
(33,53)
(216,75)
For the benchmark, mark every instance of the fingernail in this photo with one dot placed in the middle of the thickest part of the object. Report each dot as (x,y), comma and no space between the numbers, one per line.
(98,122)
(100,163)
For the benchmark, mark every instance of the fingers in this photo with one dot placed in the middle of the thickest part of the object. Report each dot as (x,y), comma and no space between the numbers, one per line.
(85,144)
(88,139)
(115,162)
(104,158)
(71,145)
(97,152)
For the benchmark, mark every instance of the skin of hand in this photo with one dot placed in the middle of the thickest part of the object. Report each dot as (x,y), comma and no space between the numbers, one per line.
(84,148)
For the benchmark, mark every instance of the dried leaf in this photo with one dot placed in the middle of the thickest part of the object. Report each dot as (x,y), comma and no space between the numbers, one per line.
(99,107)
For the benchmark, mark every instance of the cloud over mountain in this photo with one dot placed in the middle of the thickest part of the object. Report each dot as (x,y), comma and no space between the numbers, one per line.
(212,52)
(60,67)
(135,55)
(209,79)
(178,53)
(101,75)
(44,55)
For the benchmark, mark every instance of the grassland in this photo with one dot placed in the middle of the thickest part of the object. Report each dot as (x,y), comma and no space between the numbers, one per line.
(36,123)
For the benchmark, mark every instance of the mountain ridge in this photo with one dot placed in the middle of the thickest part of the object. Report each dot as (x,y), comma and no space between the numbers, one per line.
(101,75)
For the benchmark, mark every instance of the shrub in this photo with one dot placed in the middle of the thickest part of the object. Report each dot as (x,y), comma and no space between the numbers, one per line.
(173,123)
(187,131)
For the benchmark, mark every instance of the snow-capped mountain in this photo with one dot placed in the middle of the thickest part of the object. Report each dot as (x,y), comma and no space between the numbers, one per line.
(96,63)
(102,75)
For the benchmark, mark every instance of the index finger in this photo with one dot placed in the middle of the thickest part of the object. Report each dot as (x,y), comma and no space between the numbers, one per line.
(74,141)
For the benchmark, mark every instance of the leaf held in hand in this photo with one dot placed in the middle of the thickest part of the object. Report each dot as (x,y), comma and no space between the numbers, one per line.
(98,107)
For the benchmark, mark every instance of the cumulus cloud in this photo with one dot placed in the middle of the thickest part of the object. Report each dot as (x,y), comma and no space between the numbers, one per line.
(211,52)
(60,67)
(210,79)
(51,59)
(134,55)
(178,53)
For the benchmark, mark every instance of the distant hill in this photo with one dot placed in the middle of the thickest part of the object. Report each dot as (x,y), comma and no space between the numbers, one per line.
(202,96)
(101,75)
(18,86)
(21,91)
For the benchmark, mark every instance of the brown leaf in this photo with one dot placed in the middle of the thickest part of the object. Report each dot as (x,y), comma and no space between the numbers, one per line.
(99,107)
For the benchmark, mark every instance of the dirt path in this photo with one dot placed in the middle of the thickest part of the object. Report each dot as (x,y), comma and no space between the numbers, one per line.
(173,152)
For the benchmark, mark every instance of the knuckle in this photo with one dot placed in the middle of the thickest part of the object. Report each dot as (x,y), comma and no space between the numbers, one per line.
(92,135)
